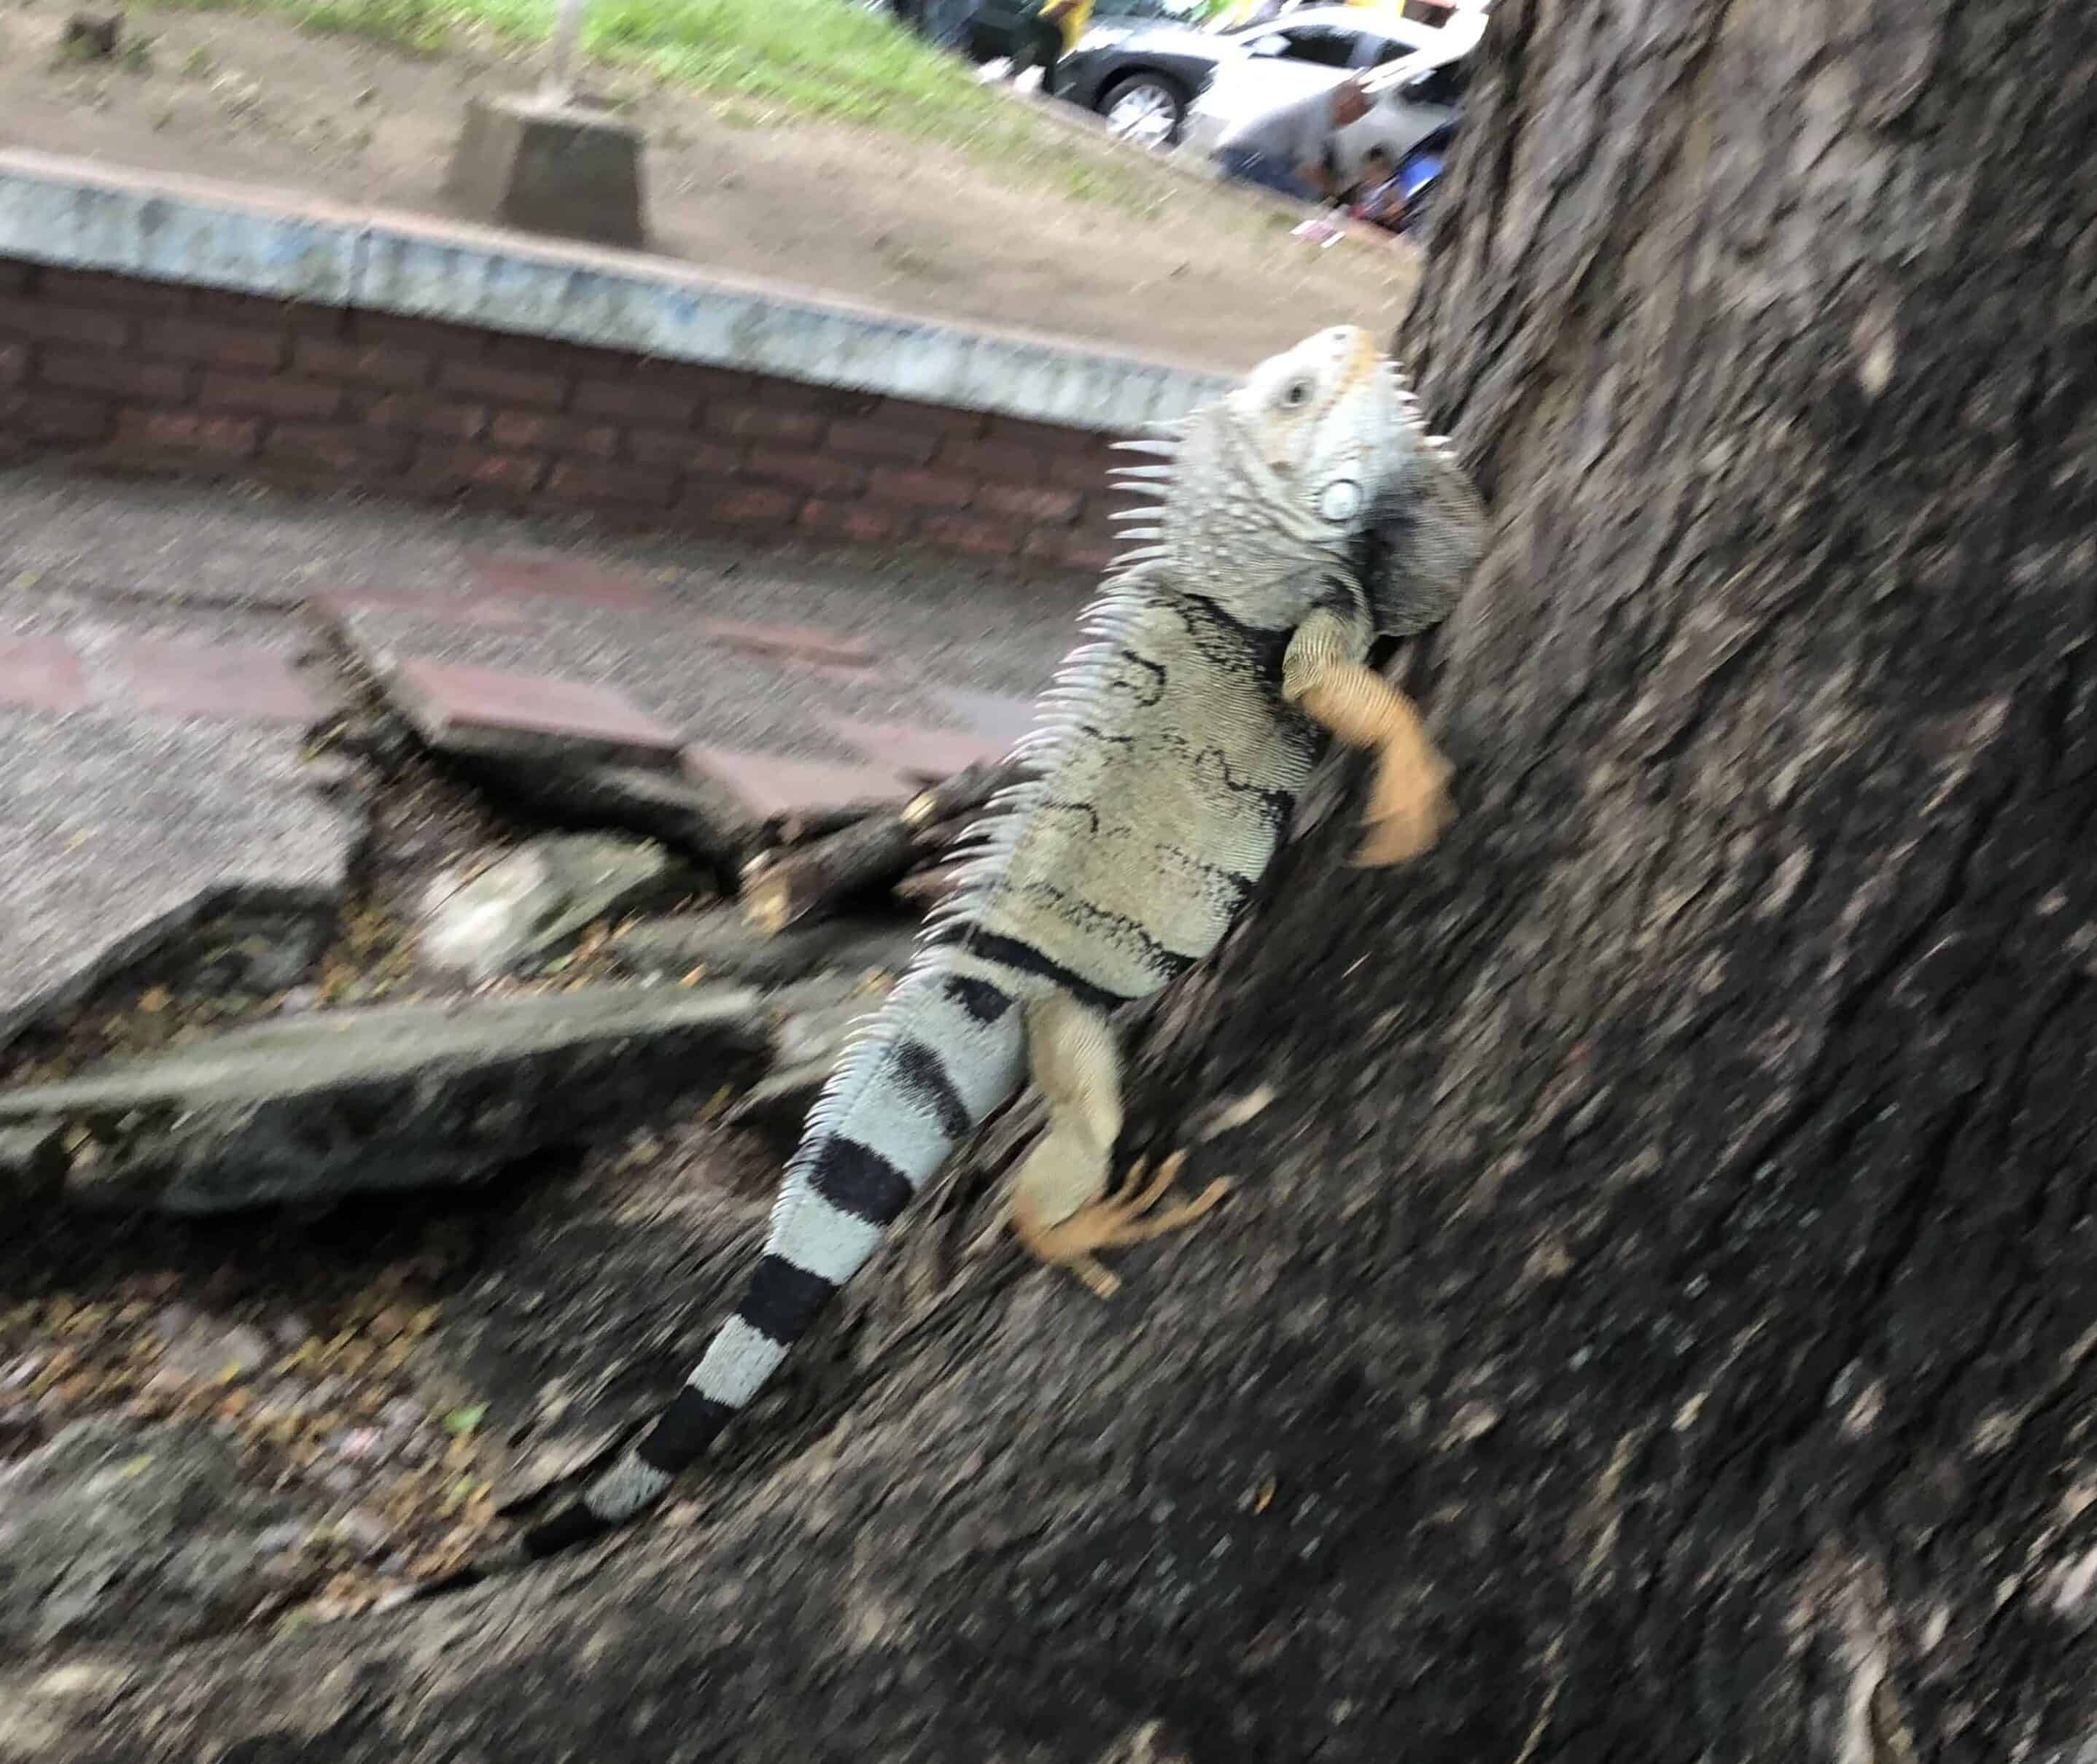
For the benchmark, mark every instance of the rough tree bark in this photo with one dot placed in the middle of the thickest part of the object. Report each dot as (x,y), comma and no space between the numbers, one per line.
(1657,1320)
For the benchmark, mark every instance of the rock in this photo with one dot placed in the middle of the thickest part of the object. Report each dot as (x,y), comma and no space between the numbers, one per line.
(689,813)
(93,36)
(533,903)
(120,1531)
(21,1429)
(33,1162)
(387,1098)
(721,946)
(199,1350)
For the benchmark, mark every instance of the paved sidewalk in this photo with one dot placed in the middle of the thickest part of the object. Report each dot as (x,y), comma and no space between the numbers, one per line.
(165,649)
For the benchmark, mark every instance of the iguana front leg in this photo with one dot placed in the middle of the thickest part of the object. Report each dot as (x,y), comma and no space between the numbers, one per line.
(1326,674)
(1060,1208)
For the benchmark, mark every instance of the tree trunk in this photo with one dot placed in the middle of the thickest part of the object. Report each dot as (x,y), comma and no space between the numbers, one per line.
(1656,1319)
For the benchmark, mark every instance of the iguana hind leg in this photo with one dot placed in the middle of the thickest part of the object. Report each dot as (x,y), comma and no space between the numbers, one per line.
(1061,1210)
(1408,808)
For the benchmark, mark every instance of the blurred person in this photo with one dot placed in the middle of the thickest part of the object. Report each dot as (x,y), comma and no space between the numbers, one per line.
(1290,149)
(1046,34)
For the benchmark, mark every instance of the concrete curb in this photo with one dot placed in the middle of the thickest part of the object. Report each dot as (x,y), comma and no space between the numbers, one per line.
(79,214)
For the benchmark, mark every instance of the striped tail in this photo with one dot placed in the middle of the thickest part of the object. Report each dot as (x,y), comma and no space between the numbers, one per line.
(946,1049)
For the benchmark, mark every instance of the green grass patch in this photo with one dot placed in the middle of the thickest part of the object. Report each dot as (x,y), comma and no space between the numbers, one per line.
(831,59)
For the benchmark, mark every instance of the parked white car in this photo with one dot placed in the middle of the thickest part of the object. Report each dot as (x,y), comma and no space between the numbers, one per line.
(1411,93)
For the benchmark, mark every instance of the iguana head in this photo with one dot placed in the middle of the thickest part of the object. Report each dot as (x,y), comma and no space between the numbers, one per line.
(1279,475)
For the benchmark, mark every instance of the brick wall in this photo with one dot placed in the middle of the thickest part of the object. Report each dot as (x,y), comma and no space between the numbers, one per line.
(132,374)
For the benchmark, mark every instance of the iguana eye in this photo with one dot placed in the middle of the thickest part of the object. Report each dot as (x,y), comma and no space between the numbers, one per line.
(1341,499)
(1296,394)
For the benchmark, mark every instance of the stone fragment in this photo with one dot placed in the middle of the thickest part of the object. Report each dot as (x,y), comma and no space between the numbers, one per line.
(532,904)
(526,162)
(121,1532)
(311,1108)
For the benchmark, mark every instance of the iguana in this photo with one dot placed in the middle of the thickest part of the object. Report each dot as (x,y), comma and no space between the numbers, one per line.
(1301,515)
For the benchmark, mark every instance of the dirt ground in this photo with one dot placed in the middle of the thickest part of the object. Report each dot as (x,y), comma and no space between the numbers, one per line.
(1166,268)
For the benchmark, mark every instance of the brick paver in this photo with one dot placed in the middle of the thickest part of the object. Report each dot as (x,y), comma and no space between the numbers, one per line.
(917,752)
(792,643)
(240,682)
(767,785)
(501,573)
(491,707)
(42,673)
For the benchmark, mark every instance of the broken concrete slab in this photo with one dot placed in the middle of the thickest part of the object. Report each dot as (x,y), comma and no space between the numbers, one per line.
(719,945)
(32,1163)
(310,1108)
(598,665)
(120,833)
(117,1531)
(530,905)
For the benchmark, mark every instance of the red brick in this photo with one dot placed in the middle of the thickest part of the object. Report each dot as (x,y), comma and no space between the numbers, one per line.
(1051,437)
(240,682)
(15,276)
(343,447)
(957,532)
(481,707)
(273,398)
(556,434)
(812,472)
(1082,471)
(424,415)
(75,287)
(504,385)
(42,674)
(848,520)
(877,440)
(915,751)
(228,345)
(364,364)
(799,643)
(14,363)
(55,417)
(187,431)
(683,453)
(757,422)
(500,576)
(754,507)
(701,382)
(445,342)
(67,324)
(162,382)
(767,785)
(478,468)
(1058,506)
(943,421)
(1092,554)
(662,407)
(923,489)
(574,481)
(265,312)
(551,355)
(1005,460)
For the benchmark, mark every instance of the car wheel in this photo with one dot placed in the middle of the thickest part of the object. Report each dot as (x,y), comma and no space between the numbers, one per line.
(1146,110)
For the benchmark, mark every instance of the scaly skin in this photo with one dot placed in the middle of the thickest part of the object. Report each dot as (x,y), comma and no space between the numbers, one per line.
(1300,516)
